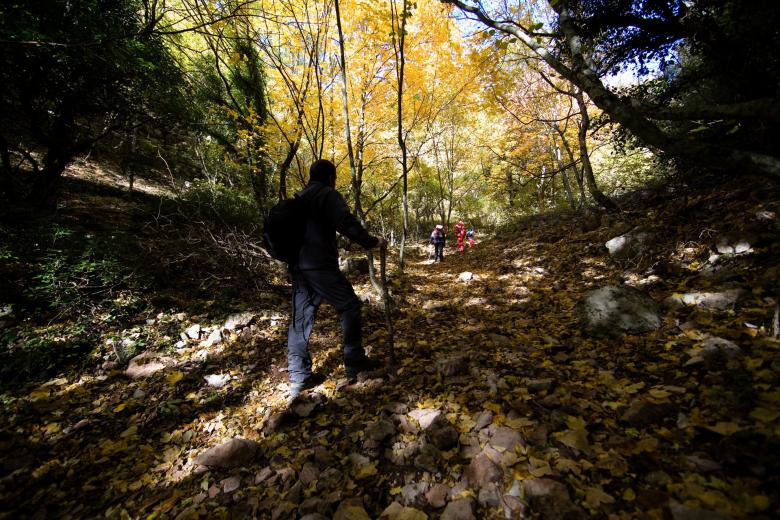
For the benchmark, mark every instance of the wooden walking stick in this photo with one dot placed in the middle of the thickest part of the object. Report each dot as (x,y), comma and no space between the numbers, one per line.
(387,303)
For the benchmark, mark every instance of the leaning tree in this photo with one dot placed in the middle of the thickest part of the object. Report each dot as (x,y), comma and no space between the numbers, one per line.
(711,93)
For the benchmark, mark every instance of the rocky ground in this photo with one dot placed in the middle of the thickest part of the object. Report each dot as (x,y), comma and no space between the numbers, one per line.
(623,366)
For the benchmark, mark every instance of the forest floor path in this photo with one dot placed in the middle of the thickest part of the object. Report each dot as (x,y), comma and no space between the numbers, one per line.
(500,405)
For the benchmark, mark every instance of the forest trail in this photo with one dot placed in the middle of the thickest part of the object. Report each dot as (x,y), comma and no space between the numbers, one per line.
(500,406)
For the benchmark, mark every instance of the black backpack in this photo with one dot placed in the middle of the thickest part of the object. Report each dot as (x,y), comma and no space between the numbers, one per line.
(284,228)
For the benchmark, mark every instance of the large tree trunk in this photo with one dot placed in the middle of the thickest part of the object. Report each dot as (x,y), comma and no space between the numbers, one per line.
(587,169)
(400,59)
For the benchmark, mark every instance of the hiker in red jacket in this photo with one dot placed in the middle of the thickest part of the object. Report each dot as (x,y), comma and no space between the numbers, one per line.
(460,232)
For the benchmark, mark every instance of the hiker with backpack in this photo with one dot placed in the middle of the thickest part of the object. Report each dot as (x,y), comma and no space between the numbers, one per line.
(470,238)
(438,239)
(316,277)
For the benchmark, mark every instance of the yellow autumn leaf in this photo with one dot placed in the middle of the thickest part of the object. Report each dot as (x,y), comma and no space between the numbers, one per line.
(493,407)
(465,424)
(595,496)
(40,393)
(753,363)
(120,407)
(366,471)
(765,415)
(466,493)
(577,439)
(46,467)
(723,428)
(396,490)
(761,502)
(694,334)
(284,451)
(576,423)
(174,377)
(520,423)
(632,389)
(410,513)
(659,393)
(353,513)
(629,495)
(648,444)
(52,428)
(564,464)
(539,468)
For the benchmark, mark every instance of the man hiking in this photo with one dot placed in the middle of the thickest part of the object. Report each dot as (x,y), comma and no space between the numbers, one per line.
(438,239)
(316,278)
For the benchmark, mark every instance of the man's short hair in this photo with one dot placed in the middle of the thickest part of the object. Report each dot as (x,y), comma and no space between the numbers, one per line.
(322,170)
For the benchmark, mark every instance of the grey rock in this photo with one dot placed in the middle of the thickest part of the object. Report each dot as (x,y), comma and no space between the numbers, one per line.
(643,413)
(482,419)
(193,331)
(309,473)
(714,300)
(351,509)
(717,351)
(513,506)
(613,311)
(466,276)
(441,433)
(424,416)
(437,495)
(214,338)
(230,484)
(233,453)
(380,430)
(413,494)
(636,242)
(304,409)
(460,509)
(483,471)
(735,243)
(549,498)
(427,459)
(489,496)
(239,321)
(506,439)
(148,363)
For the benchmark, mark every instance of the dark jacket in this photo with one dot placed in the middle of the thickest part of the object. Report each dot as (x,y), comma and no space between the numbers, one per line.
(438,237)
(328,213)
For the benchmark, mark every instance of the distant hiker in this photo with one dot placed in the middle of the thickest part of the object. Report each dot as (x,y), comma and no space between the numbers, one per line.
(470,237)
(460,232)
(316,278)
(438,238)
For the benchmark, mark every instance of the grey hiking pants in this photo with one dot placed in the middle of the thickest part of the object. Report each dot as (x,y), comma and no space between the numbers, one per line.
(310,289)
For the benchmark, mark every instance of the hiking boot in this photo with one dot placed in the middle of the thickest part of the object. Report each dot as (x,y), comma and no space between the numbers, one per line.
(310,382)
(365,364)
